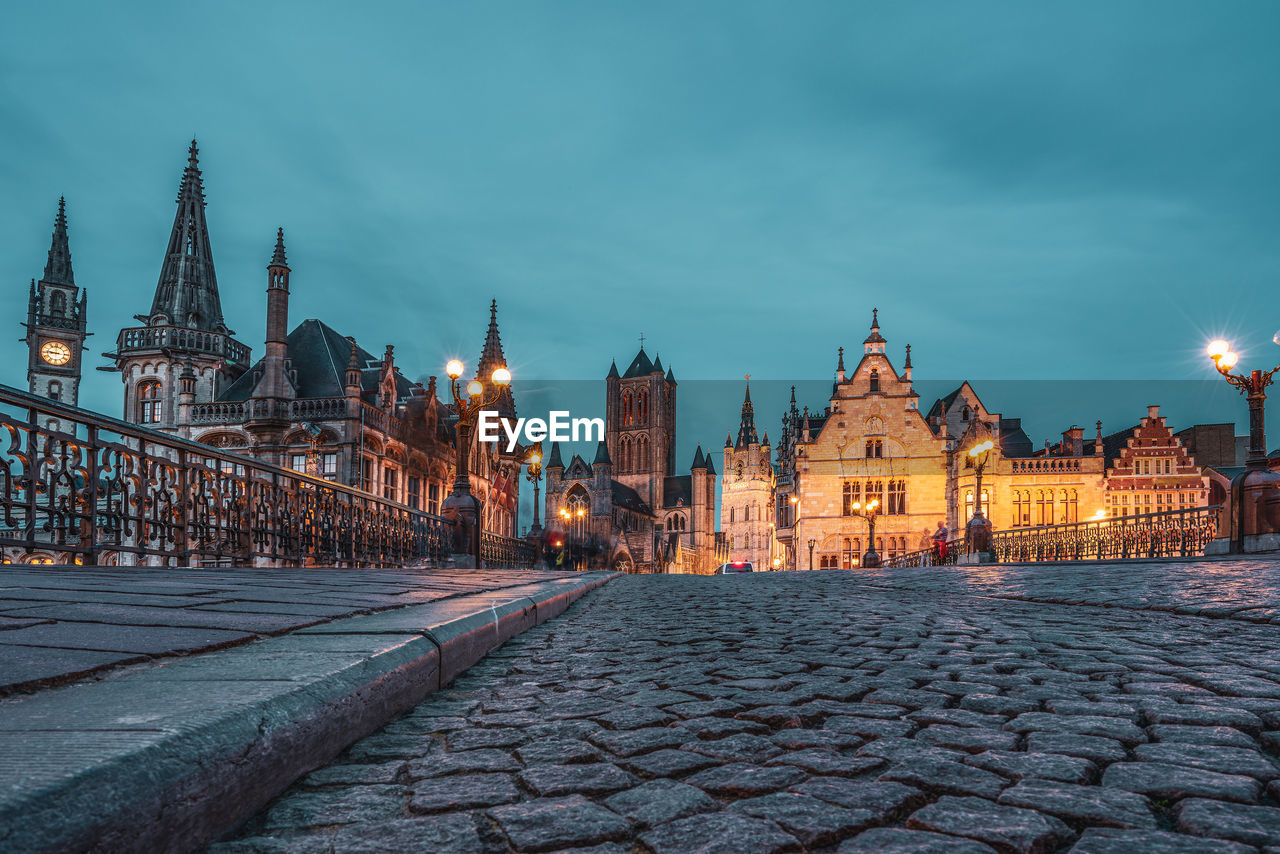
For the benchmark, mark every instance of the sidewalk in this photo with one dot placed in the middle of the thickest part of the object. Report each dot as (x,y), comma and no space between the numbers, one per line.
(152,709)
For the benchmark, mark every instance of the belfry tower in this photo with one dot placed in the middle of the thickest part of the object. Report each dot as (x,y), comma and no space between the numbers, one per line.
(56,323)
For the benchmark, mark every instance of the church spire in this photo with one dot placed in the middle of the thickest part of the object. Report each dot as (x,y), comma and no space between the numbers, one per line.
(492,358)
(747,427)
(187,293)
(58,268)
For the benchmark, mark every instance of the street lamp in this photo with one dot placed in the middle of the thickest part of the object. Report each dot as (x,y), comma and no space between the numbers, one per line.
(461,506)
(977,532)
(813,541)
(871,559)
(1257,486)
(533,473)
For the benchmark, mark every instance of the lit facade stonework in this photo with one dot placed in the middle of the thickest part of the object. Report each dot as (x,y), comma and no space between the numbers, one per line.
(1153,472)
(871,442)
(316,402)
(627,506)
(747,494)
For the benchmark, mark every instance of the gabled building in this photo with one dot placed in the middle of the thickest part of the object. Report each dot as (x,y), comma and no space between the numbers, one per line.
(1152,472)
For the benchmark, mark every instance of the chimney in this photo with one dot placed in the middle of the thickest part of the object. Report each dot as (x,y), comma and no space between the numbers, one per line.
(1153,413)
(1073,441)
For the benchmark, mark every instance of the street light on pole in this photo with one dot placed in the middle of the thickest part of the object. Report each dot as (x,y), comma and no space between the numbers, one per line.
(868,511)
(977,532)
(461,507)
(1255,493)
(812,542)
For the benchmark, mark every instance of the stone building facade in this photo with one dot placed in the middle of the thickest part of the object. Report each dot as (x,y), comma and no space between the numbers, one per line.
(747,483)
(628,506)
(315,402)
(1153,472)
(57,323)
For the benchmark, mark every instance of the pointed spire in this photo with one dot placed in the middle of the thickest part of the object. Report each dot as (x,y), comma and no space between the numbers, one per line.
(58,268)
(553,458)
(699,461)
(793,412)
(747,427)
(875,338)
(278,259)
(671,378)
(613,371)
(187,292)
(840,361)
(711,466)
(728,440)
(907,364)
(764,443)
(492,358)
(602,454)
(657,364)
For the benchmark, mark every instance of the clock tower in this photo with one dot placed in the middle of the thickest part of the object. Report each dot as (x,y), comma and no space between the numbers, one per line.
(56,323)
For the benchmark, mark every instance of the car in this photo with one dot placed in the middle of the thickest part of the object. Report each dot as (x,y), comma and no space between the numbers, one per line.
(735,567)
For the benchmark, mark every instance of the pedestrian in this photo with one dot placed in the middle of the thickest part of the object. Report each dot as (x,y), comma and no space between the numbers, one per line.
(940,537)
(926,548)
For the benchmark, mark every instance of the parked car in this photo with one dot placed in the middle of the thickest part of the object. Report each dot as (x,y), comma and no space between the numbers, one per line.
(735,567)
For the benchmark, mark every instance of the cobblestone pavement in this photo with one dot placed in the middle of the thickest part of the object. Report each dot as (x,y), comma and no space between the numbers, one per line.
(907,711)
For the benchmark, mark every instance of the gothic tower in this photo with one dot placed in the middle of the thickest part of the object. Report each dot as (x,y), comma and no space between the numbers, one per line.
(746,492)
(640,426)
(56,323)
(184,332)
(491,358)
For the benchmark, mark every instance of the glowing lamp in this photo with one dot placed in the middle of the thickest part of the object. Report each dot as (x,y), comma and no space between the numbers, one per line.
(501,376)
(1228,360)
(1218,348)
(535,458)
(475,388)
(454,368)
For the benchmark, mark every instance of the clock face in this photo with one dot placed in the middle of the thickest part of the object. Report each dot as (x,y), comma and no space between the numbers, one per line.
(55,353)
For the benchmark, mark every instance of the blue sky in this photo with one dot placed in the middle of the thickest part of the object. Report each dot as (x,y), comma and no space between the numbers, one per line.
(1026,192)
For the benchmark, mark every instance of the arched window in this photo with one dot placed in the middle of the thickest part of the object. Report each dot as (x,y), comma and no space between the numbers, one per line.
(627,415)
(624,454)
(642,454)
(875,380)
(966,414)
(642,407)
(149,402)
(731,514)
(578,507)
(58,304)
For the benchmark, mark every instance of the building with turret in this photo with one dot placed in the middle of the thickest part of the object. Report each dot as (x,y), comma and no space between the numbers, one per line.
(747,494)
(628,507)
(315,402)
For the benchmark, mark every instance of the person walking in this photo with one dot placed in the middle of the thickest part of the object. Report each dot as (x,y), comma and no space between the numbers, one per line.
(940,537)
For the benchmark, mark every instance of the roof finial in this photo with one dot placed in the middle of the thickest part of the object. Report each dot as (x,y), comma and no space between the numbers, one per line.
(58,267)
(642,341)
(908,362)
(840,361)
(875,320)
(278,258)
(193,153)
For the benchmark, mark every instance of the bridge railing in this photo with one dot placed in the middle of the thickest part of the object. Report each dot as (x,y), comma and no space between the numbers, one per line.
(1170,533)
(497,550)
(99,490)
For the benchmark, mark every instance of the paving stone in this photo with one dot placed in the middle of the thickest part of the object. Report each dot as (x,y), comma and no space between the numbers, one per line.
(896,840)
(463,791)
(560,751)
(712,728)
(743,780)
(346,775)
(1046,766)
(1097,750)
(725,832)
(968,739)
(1099,840)
(668,763)
(902,749)
(943,777)
(799,739)
(993,704)
(957,717)
(1192,715)
(595,778)
(813,822)
(631,742)
(1223,735)
(870,727)
(828,762)
(340,806)
(470,739)
(1172,782)
(660,801)
(883,802)
(440,764)
(549,823)
(780,716)
(1060,706)
(1004,828)
(1082,804)
(1120,729)
(1225,760)
(742,747)
(635,718)
(1248,824)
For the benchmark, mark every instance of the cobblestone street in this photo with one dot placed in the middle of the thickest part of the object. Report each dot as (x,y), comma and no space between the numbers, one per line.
(1093,709)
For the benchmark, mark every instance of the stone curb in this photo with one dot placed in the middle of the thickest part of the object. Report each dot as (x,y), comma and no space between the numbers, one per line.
(169,758)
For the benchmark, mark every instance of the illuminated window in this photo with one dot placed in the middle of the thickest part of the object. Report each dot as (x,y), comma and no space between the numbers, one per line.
(898,498)
(852,495)
(149,402)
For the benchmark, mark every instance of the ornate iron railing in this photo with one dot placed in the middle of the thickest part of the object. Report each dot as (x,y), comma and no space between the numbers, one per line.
(96,490)
(179,338)
(1172,533)
(934,556)
(499,551)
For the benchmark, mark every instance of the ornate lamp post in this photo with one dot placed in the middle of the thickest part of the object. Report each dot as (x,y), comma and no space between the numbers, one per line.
(461,506)
(1255,493)
(812,542)
(533,473)
(868,511)
(977,532)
